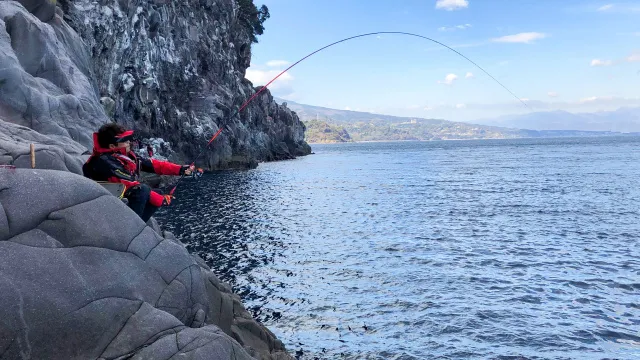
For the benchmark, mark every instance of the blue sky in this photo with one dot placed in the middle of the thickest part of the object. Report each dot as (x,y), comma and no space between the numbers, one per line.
(579,56)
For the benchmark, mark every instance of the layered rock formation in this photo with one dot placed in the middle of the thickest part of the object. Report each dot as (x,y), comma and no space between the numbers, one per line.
(171,70)
(82,277)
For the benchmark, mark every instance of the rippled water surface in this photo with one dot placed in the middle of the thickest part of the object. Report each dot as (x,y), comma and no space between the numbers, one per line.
(525,249)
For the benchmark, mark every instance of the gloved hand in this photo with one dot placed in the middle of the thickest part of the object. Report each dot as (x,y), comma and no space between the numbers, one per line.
(167,199)
(187,170)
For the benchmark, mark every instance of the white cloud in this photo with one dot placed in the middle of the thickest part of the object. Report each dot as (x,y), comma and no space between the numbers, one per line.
(595,99)
(260,77)
(277,63)
(449,79)
(552,94)
(503,63)
(598,62)
(451,5)
(461,106)
(605,7)
(469,76)
(633,58)
(523,38)
(347,108)
(454,28)
(427,108)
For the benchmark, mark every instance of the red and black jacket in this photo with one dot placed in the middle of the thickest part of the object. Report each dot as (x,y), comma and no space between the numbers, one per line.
(118,166)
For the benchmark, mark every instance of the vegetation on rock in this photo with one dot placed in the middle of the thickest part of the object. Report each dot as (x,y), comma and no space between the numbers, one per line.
(322,132)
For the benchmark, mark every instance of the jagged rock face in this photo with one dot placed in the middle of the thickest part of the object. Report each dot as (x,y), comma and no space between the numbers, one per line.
(175,70)
(171,70)
(82,277)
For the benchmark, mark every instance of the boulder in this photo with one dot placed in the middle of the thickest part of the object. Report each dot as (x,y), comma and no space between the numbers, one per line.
(83,277)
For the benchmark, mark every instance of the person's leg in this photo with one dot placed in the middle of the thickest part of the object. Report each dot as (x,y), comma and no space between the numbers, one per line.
(138,197)
(149,210)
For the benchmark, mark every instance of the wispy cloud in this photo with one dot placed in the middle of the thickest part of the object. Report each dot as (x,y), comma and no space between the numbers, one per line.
(277,63)
(449,79)
(523,38)
(592,99)
(454,28)
(598,62)
(503,63)
(451,5)
(605,7)
(552,94)
(633,57)
(469,75)
(461,106)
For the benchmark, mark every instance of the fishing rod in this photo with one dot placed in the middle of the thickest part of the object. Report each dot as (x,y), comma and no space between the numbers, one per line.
(246,103)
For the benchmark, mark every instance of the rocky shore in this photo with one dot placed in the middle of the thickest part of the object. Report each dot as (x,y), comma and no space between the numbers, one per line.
(82,277)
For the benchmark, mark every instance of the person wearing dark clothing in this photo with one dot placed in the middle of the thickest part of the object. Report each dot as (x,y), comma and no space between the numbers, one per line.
(113,161)
(149,150)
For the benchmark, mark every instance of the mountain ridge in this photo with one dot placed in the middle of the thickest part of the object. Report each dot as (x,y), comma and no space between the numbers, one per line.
(365,126)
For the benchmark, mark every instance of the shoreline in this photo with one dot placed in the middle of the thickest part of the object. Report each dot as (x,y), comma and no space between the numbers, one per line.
(481,139)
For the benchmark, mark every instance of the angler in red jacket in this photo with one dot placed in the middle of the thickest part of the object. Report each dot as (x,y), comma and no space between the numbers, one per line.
(113,161)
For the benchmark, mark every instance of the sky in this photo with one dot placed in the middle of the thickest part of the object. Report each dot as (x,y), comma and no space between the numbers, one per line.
(577,56)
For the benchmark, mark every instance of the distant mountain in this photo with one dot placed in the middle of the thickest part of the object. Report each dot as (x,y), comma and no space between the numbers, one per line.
(364,126)
(622,120)
(335,116)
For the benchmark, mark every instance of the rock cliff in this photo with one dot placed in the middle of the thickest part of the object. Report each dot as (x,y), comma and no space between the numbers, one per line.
(170,70)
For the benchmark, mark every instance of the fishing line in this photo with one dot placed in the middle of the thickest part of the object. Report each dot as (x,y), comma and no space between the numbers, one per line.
(246,103)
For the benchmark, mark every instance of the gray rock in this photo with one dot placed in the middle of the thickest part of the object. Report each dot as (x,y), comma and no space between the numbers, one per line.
(54,152)
(82,277)
(161,68)
(42,9)
(45,86)
(178,74)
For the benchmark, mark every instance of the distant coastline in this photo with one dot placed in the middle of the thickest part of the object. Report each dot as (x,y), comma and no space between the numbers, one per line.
(482,139)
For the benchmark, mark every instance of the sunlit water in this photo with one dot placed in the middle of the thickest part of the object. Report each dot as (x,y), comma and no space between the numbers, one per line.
(524,249)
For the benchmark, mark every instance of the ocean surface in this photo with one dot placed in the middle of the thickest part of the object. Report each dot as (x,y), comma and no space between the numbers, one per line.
(505,249)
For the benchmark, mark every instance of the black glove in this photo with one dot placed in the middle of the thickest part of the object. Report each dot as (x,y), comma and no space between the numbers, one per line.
(184,168)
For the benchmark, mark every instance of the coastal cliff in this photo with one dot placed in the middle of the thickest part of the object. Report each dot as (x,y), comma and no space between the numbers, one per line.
(82,276)
(173,71)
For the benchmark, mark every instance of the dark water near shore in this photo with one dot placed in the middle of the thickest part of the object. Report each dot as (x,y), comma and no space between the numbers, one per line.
(523,249)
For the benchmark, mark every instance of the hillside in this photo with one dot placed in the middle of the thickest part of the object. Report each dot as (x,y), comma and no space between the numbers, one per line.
(321,132)
(363,126)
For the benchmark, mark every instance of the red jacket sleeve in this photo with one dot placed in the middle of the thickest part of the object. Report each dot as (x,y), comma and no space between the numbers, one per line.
(156,199)
(165,168)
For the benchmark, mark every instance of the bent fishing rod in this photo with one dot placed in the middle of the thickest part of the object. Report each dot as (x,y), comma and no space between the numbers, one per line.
(246,103)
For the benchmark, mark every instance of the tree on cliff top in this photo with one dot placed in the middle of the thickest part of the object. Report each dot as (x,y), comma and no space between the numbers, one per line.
(253,18)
